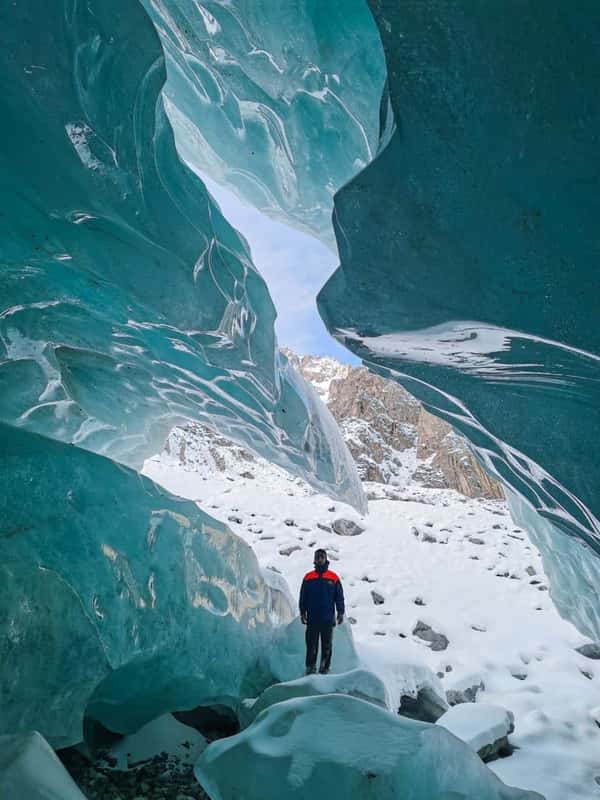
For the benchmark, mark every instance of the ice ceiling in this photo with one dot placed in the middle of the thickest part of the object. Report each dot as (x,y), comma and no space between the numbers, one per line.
(466,223)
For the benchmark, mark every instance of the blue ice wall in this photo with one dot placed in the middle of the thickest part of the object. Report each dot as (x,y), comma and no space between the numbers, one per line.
(118,600)
(469,248)
(127,302)
(278,100)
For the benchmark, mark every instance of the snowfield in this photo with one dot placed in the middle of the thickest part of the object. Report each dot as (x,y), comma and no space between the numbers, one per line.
(434,557)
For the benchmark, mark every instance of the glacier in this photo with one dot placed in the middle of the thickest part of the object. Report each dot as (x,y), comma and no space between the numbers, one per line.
(469,249)
(128,303)
(277,101)
(465,217)
(120,602)
(467,244)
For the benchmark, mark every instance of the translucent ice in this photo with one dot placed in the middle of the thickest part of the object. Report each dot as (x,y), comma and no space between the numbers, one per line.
(286,658)
(338,746)
(127,302)
(469,249)
(30,770)
(118,600)
(277,100)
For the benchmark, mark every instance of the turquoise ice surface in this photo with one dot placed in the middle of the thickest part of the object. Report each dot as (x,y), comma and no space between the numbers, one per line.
(119,601)
(127,303)
(469,251)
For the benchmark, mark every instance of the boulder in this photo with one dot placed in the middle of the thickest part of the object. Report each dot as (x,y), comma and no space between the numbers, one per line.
(425,632)
(483,727)
(590,650)
(287,551)
(346,527)
(162,735)
(465,690)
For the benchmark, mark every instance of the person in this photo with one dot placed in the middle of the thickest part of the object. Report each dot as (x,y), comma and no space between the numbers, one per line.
(321,596)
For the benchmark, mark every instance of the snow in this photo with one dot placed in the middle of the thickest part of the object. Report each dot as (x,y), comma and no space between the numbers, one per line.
(477,724)
(163,735)
(357,682)
(490,600)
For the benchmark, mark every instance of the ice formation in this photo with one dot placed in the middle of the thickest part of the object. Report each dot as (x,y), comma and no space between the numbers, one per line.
(277,100)
(357,683)
(30,769)
(482,296)
(469,253)
(127,302)
(119,601)
(289,650)
(359,751)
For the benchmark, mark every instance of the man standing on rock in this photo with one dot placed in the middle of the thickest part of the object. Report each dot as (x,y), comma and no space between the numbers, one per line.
(321,595)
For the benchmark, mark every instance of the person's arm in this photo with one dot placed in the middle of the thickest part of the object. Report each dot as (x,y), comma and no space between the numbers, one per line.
(339,602)
(302,603)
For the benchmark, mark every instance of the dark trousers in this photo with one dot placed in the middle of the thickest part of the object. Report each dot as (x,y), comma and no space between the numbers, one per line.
(313,634)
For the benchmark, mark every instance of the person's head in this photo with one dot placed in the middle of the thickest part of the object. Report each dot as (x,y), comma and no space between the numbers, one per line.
(320,557)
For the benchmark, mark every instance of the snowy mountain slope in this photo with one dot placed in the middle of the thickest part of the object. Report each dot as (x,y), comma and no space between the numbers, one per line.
(435,557)
(429,556)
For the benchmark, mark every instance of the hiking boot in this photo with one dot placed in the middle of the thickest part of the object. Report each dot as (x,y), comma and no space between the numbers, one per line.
(323,672)
(310,670)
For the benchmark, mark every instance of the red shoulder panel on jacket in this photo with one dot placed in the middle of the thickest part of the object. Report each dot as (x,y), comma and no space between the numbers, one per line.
(330,575)
(311,575)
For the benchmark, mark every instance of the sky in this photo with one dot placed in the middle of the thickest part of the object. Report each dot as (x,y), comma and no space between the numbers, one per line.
(295,267)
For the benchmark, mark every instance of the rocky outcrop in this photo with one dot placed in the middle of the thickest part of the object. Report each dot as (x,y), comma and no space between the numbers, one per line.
(389,434)
(447,461)
(381,421)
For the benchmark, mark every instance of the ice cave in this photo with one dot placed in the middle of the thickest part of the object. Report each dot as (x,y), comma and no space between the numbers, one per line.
(168,467)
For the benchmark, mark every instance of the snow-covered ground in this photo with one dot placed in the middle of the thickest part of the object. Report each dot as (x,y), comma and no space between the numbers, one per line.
(458,565)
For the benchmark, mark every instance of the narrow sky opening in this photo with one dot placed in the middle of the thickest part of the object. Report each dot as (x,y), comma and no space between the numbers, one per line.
(295,266)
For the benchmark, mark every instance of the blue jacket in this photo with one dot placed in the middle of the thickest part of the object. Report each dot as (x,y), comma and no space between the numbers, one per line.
(321,594)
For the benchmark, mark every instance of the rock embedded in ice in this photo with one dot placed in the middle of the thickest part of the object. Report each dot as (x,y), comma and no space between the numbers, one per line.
(339,746)
(358,683)
(346,527)
(483,727)
(30,770)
